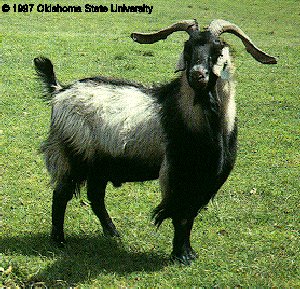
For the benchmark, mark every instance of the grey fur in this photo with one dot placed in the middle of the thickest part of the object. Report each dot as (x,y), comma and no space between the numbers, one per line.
(115,121)
(183,133)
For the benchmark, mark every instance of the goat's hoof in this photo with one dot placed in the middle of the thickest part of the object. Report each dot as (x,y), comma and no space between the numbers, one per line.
(109,228)
(181,259)
(60,245)
(111,232)
(192,254)
(184,258)
(58,241)
(57,237)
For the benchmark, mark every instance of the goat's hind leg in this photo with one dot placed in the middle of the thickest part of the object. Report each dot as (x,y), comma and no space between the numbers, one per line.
(96,195)
(63,193)
(192,255)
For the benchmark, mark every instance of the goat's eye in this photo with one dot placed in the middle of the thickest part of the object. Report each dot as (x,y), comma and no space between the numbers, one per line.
(217,41)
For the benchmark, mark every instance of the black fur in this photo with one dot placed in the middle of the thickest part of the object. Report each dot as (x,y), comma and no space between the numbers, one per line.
(44,70)
(199,162)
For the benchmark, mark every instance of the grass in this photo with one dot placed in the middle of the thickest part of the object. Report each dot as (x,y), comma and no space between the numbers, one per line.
(249,236)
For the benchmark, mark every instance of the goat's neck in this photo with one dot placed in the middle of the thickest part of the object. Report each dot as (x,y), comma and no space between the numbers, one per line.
(213,109)
(192,114)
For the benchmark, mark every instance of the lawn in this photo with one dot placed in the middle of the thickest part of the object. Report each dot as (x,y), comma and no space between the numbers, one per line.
(249,234)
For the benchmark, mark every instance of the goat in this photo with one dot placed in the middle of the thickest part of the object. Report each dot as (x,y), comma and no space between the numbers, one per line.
(184,133)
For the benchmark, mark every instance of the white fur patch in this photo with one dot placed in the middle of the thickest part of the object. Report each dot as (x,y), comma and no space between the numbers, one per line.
(224,69)
(222,65)
(119,121)
(230,109)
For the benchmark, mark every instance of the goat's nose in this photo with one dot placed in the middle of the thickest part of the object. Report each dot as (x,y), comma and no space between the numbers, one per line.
(200,73)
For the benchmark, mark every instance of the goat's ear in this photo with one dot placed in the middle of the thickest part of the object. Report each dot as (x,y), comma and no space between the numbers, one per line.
(180,65)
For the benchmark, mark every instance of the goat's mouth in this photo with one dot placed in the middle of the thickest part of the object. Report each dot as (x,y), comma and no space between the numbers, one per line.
(198,76)
(198,81)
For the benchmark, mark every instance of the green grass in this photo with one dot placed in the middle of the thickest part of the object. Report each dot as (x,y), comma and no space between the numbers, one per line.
(249,236)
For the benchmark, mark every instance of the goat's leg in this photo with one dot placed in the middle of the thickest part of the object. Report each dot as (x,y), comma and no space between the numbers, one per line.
(190,251)
(182,250)
(63,193)
(96,195)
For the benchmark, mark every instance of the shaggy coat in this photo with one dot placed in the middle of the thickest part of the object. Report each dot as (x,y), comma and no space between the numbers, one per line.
(184,133)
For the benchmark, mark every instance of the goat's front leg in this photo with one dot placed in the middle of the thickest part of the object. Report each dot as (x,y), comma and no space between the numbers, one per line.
(96,195)
(182,250)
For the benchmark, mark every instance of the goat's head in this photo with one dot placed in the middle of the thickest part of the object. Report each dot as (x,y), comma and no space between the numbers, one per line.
(204,58)
(205,55)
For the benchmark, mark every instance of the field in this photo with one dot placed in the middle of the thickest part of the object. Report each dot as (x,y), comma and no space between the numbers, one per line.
(248,236)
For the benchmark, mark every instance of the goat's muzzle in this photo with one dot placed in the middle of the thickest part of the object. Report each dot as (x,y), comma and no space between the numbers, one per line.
(198,77)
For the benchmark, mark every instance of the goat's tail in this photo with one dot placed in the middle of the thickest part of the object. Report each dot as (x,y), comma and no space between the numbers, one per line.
(45,71)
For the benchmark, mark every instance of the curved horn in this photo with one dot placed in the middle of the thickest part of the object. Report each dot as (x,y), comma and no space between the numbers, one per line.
(148,38)
(217,27)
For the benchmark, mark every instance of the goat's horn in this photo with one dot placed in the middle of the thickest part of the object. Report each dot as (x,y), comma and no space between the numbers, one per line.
(148,38)
(217,27)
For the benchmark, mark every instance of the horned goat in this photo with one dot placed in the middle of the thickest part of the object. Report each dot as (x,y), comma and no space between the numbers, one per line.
(184,133)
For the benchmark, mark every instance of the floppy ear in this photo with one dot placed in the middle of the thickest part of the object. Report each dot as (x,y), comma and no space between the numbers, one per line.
(180,65)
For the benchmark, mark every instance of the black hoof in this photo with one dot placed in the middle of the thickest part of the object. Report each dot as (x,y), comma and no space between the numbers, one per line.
(111,231)
(181,259)
(192,254)
(58,242)
(184,258)
(57,237)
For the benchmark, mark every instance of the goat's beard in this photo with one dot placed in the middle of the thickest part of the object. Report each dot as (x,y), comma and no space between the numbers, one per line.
(205,93)
(201,84)
(197,84)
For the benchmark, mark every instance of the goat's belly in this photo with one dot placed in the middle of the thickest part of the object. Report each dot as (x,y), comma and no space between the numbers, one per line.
(122,170)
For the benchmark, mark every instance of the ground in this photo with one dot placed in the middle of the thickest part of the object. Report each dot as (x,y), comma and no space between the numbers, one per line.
(249,234)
